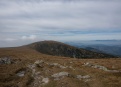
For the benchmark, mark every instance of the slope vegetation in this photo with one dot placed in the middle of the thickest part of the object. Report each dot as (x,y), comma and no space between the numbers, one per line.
(60,49)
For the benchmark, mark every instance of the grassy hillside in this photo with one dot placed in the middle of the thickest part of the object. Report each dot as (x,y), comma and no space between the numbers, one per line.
(30,68)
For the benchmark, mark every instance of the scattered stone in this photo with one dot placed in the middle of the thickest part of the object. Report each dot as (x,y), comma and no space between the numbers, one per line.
(59,65)
(63,67)
(55,64)
(60,75)
(85,78)
(99,67)
(45,80)
(39,62)
(6,60)
(21,73)
(71,68)
(37,73)
(31,66)
(96,66)
(39,80)
(113,71)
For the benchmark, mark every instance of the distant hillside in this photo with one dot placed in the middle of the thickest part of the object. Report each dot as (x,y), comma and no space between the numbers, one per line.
(60,49)
(114,50)
(93,49)
(112,47)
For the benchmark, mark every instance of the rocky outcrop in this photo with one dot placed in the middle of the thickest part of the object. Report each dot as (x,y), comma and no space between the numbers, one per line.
(39,80)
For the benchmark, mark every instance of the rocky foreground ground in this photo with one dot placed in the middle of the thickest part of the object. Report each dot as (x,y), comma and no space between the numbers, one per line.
(28,68)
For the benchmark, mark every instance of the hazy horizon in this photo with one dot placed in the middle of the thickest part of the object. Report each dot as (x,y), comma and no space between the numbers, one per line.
(27,21)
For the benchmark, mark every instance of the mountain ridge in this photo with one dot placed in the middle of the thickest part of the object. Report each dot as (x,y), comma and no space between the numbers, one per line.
(61,49)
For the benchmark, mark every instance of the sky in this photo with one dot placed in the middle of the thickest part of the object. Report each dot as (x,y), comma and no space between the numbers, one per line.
(26,21)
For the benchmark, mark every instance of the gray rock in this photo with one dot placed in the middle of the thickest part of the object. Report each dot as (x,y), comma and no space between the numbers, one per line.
(114,71)
(83,77)
(87,64)
(100,67)
(21,73)
(59,65)
(63,67)
(5,60)
(45,80)
(59,75)
(96,66)
(39,80)
(31,66)
(39,62)
(55,64)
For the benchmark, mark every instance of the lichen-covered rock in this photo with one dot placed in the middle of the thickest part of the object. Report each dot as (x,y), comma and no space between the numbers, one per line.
(39,62)
(59,65)
(45,80)
(83,77)
(99,67)
(87,64)
(60,75)
(62,67)
(21,73)
(96,66)
(55,64)
(39,80)
(5,60)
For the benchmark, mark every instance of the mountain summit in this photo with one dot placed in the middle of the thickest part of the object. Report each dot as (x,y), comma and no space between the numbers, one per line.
(61,49)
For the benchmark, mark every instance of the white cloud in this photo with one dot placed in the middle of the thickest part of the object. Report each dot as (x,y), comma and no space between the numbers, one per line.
(24,37)
(10,39)
(31,37)
(84,15)
(32,18)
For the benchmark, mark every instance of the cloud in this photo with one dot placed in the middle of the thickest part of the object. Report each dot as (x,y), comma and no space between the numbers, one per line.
(59,19)
(84,15)
(31,37)
(10,39)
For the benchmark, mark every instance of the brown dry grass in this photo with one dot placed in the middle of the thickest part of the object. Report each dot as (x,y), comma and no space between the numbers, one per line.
(25,56)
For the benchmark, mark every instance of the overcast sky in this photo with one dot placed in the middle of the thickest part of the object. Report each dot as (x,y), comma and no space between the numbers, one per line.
(25,21)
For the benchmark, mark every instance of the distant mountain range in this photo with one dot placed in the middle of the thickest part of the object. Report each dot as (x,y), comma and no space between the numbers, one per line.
(114,50)
(60,49)
(112,47)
